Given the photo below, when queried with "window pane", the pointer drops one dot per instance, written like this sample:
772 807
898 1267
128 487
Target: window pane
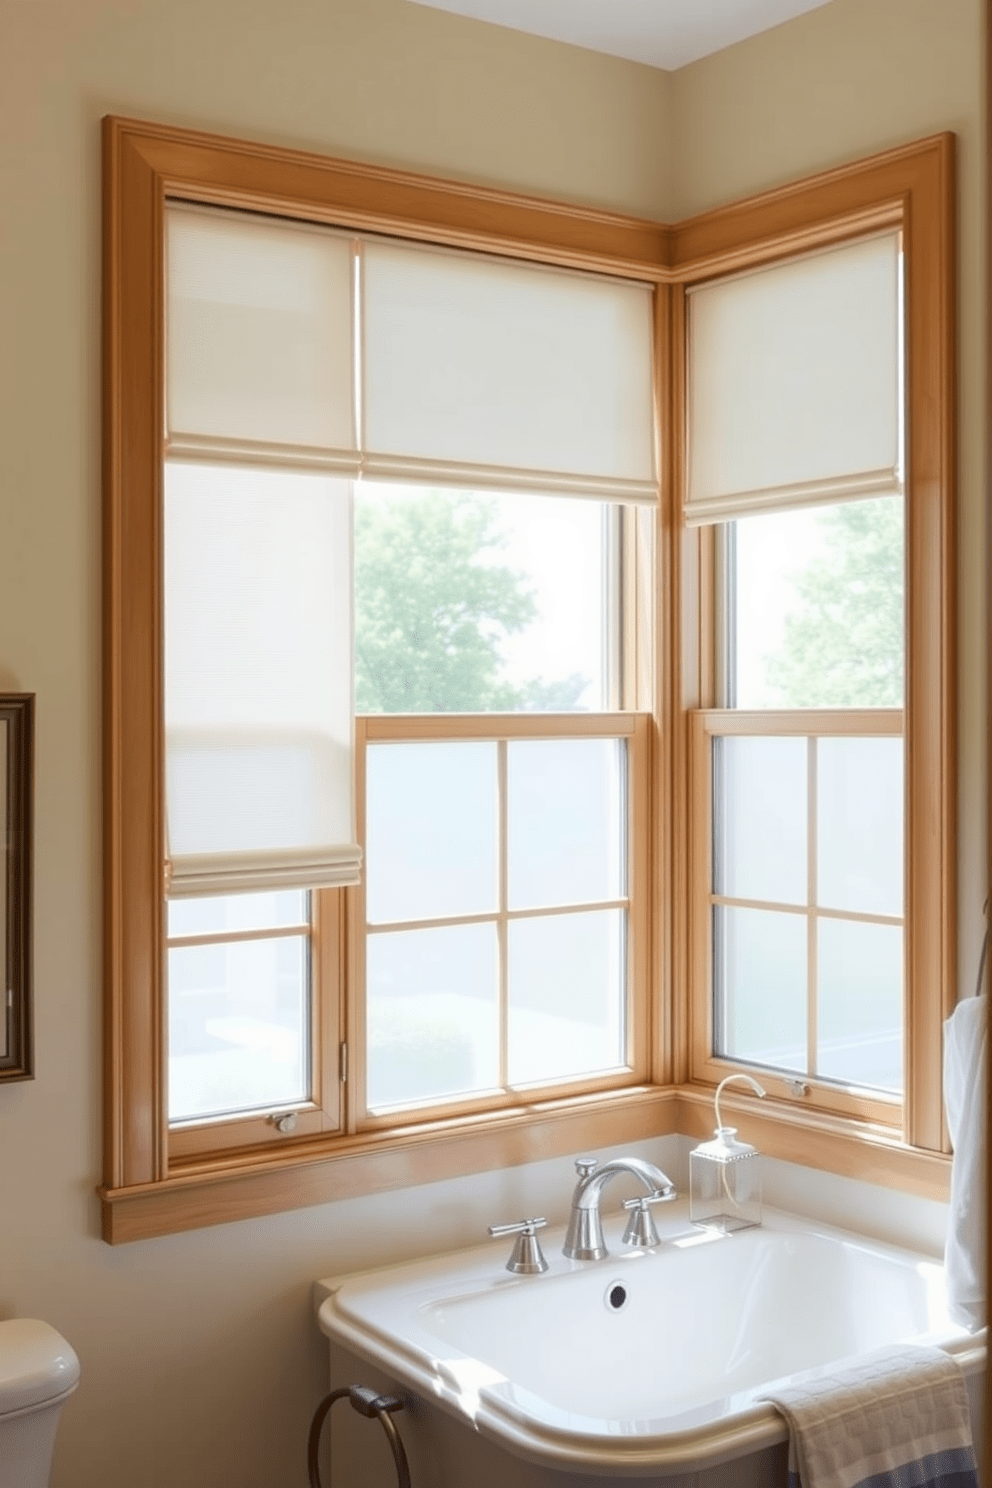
567 1002
225 912
433 1029
759 849
859 824
473 603
430 830
566 813
817 610
238 1021
760 981
859 1003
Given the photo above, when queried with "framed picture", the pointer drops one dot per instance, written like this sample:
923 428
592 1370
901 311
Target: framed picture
16 799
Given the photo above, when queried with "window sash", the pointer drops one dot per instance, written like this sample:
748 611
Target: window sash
708 725
635 729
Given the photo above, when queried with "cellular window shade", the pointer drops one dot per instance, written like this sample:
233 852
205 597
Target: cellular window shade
258 680
259 335
479 371
794 383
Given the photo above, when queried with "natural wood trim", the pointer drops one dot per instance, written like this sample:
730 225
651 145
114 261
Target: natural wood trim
681 684
699 918
243 1188
847 201
219 1193
931 627
204 1138
134 1099
355 1020
821 1098
379 728
196 166
817 723
818 911
852 1149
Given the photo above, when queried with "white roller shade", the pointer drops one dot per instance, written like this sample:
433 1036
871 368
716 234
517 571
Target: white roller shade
481 371
259 332
794 383
258 680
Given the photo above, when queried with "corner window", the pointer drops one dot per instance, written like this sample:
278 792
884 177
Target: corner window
513 723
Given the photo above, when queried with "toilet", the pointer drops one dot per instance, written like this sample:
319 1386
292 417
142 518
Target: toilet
38 1372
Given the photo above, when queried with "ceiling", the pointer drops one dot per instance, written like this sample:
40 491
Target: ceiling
660 33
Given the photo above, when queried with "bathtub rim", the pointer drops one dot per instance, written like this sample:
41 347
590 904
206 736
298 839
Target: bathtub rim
497 1415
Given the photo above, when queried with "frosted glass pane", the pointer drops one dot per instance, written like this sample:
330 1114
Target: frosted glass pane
859 1003
259 330
472 358
818 615
432 1011
794 372
238 1020
760 980
759 849
224 912
257 661
860 824
430 830
567 996
474 603
566 812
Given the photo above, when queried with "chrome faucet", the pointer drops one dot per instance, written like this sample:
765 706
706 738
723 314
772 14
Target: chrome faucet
584 1240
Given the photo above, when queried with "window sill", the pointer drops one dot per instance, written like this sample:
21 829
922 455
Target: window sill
815 1139
247 1185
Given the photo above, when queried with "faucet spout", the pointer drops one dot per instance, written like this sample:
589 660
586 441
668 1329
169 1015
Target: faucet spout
584 1238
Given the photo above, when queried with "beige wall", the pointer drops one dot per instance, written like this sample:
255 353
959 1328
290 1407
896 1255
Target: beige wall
200 1363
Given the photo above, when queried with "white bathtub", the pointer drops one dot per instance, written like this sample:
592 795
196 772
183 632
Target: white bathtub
645 1363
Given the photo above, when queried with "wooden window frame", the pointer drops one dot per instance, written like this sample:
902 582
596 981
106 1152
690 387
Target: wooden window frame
154 1183
911 190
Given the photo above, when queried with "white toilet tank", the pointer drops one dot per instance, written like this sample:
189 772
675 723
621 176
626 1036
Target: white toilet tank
38 1372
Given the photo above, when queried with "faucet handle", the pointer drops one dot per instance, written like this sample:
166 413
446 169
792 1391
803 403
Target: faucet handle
527 1258
641 1230
586 1165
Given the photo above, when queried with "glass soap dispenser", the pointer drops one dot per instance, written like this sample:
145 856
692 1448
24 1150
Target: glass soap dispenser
725 1175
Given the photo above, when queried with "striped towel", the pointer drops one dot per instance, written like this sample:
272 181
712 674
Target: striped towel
893 1418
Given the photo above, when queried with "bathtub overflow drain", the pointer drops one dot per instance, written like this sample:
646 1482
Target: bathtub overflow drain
616 1297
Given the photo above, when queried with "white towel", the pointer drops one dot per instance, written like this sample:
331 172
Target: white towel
965 1094
893 1418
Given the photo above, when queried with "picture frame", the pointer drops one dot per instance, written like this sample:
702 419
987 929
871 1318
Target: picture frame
16 850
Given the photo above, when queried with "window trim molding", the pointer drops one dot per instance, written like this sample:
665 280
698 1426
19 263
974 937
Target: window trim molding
912 188
142 1194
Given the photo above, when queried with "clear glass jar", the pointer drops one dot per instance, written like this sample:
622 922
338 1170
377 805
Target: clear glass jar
725 1183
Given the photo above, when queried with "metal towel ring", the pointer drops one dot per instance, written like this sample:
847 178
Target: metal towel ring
367 1403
